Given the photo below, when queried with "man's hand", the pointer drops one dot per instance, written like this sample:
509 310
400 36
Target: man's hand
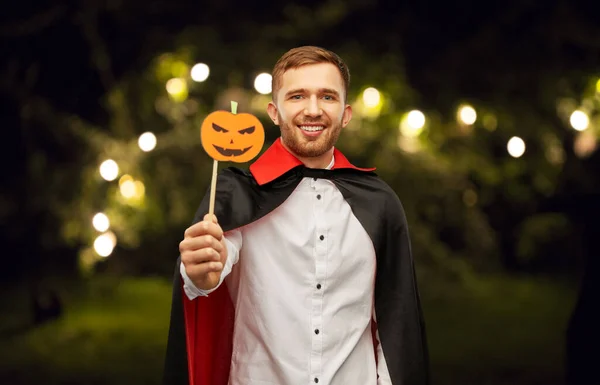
203 253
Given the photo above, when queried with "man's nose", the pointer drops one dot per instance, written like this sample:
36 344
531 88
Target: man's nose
313 108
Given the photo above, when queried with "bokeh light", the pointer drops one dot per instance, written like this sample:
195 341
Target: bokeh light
411 124
585 144
101 222
200 72
416 119
127 189
105 244
516 147
147 141
263 83
109 170
467 114
177 89
579 120
371 97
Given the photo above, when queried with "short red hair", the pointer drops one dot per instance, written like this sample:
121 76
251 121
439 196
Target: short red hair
301 56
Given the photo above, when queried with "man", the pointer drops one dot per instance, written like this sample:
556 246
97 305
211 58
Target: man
305 274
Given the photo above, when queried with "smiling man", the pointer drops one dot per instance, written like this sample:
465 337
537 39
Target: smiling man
305 275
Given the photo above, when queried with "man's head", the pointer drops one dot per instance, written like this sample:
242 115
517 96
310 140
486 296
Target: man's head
310 90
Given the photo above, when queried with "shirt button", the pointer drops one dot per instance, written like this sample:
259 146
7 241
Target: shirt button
319 286
319 196
316 331
321 237
316 380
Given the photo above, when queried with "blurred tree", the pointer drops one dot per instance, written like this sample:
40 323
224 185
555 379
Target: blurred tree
126 70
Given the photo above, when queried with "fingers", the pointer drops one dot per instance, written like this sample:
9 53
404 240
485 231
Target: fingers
203 269
208 218
200 242
201 256
203 228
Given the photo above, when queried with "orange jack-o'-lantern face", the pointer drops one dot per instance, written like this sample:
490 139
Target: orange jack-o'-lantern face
232 137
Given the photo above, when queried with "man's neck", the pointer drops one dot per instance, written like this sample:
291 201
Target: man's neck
322 161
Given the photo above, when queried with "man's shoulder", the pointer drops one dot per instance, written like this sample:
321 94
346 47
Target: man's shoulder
373 183
383 195
235 176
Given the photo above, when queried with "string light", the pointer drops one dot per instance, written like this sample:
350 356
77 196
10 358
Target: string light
263 83
579 120
177 89
200 72
109 170
105 244
101 222
127 189
411 125
371 97
147 141
516 147
467 114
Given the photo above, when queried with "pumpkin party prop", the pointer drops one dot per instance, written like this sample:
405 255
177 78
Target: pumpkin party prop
229 136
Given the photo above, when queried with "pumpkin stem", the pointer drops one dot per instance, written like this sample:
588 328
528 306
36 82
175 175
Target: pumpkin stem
234 107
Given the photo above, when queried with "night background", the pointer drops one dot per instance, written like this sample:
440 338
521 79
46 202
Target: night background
484 117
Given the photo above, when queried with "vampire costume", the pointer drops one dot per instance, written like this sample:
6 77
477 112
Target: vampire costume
200 340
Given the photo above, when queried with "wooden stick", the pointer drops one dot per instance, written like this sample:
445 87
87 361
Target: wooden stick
213 183
213 187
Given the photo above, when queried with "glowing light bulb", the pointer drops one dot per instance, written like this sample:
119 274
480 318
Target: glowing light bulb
579 120
104 245
467 114
371 97
127 189
263 83
412 124
101 222
200 72
109 170
516 147
175 86
147 141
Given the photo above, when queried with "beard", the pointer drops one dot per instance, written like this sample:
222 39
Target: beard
306 147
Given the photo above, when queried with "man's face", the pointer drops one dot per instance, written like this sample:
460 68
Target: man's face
310 109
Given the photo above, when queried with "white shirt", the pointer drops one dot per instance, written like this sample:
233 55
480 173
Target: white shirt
302 283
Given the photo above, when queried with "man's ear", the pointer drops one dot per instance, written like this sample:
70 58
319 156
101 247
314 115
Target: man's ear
272 111
347 116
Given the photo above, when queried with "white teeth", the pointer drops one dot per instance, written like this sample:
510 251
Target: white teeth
312 128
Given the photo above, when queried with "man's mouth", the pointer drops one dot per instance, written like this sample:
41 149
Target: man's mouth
312 128
230 152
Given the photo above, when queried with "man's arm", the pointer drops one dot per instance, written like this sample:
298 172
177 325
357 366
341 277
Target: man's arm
233 242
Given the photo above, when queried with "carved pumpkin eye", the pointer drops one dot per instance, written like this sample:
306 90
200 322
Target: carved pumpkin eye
248 130
219 128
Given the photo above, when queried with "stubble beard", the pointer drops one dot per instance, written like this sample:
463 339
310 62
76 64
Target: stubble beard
305 147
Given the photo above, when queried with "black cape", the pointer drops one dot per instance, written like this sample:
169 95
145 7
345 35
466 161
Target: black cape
240 200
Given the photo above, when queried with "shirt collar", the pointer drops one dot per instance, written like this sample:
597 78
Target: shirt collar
277 160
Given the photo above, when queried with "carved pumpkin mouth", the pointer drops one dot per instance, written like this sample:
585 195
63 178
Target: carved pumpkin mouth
231 151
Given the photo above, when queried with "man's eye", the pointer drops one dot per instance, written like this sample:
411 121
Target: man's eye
248 130
219 128
296 97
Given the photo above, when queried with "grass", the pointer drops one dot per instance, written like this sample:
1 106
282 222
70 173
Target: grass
494 331
498 330
113 335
